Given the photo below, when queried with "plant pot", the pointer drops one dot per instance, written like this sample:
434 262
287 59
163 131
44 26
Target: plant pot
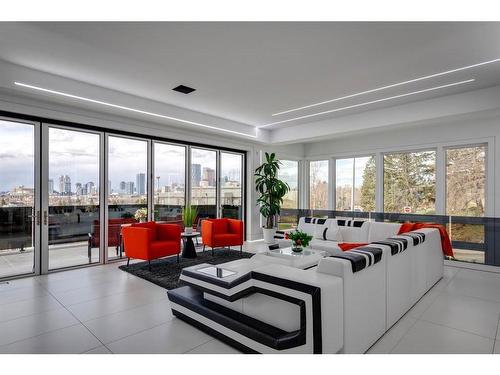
269 235
188 230
297 249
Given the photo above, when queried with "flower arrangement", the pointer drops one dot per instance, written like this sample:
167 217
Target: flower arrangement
300 239
141 214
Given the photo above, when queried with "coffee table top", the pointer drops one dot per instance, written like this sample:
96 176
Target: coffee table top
306 258
192 234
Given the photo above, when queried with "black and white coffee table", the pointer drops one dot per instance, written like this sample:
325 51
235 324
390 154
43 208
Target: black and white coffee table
189 250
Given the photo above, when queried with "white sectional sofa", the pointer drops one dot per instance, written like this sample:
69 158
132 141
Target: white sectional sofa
342 305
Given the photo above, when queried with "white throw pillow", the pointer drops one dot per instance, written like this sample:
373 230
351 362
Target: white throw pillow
334 234
330 233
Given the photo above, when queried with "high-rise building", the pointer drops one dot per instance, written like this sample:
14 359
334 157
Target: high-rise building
90 187
209 176
64 185
122 186
195 174
51 186
140 181
129 188
78 188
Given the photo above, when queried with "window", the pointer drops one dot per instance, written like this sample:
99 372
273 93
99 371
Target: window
204 181
410 182
170 181
318 185
465 181
355 184
289 173
231 175
127 186
465 196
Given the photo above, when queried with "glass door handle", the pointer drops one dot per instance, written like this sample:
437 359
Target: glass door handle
45 217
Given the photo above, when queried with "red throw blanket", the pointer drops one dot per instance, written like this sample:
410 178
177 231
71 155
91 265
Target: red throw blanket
445 239
346 246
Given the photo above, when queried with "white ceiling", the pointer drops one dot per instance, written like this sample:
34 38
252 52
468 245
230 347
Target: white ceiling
245 72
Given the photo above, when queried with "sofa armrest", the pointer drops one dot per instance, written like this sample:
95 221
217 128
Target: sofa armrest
137 242
170 232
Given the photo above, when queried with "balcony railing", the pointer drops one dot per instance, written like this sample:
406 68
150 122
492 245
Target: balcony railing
474 239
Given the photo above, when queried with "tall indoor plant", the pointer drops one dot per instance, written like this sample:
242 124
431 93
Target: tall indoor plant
271 192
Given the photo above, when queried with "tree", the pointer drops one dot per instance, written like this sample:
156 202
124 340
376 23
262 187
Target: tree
367 191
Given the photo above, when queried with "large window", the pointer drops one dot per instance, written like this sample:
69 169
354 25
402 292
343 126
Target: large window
231 186
17 198
410 182
465 196
355 184
318 185
127 186
204 181
170 181
289 173
73 190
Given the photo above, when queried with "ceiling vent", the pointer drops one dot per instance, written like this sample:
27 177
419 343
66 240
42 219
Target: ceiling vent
184 89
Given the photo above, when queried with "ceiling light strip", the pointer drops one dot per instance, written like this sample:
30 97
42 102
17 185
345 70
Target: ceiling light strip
389 86
131 109
370 102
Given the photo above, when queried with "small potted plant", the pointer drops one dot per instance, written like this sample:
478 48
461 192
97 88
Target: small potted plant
188 217
299 239
141 215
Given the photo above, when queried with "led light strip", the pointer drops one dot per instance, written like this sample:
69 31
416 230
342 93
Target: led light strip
388 87
370 102
131 109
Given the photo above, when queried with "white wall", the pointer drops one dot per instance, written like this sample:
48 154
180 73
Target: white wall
482 127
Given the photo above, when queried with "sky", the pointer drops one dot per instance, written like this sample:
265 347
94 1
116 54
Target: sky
76 154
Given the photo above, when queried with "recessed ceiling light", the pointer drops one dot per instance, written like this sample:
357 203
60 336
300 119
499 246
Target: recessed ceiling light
184 89
370 102
131 109
388 86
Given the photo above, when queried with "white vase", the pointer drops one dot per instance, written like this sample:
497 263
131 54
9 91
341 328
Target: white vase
188 230
269 235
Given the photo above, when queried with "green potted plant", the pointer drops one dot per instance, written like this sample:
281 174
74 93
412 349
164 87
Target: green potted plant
299 240
141 215
188 217
271 192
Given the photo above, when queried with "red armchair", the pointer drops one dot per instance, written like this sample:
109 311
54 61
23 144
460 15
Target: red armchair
150 241
221 233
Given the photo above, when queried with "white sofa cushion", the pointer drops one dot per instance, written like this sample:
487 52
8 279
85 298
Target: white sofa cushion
355 234
332 247
379 231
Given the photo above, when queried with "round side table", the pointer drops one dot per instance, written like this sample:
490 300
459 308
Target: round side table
189 251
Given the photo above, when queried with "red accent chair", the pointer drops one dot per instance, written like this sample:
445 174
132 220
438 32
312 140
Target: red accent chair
148 241
114 227
221 233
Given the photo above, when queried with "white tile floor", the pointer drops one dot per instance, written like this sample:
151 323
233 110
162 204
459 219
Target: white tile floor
104 310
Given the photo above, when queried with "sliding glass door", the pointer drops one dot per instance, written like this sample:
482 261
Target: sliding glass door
169 181
204 181
127 188
19 203
231 185
73 187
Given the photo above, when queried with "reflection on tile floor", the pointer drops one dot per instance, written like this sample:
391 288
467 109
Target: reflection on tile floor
104 310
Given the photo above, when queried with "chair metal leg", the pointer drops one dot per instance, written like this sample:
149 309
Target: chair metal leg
204 248
128 261
177 258
241 249
212 251
149 265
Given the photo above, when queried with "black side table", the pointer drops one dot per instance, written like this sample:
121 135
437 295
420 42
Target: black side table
189 251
